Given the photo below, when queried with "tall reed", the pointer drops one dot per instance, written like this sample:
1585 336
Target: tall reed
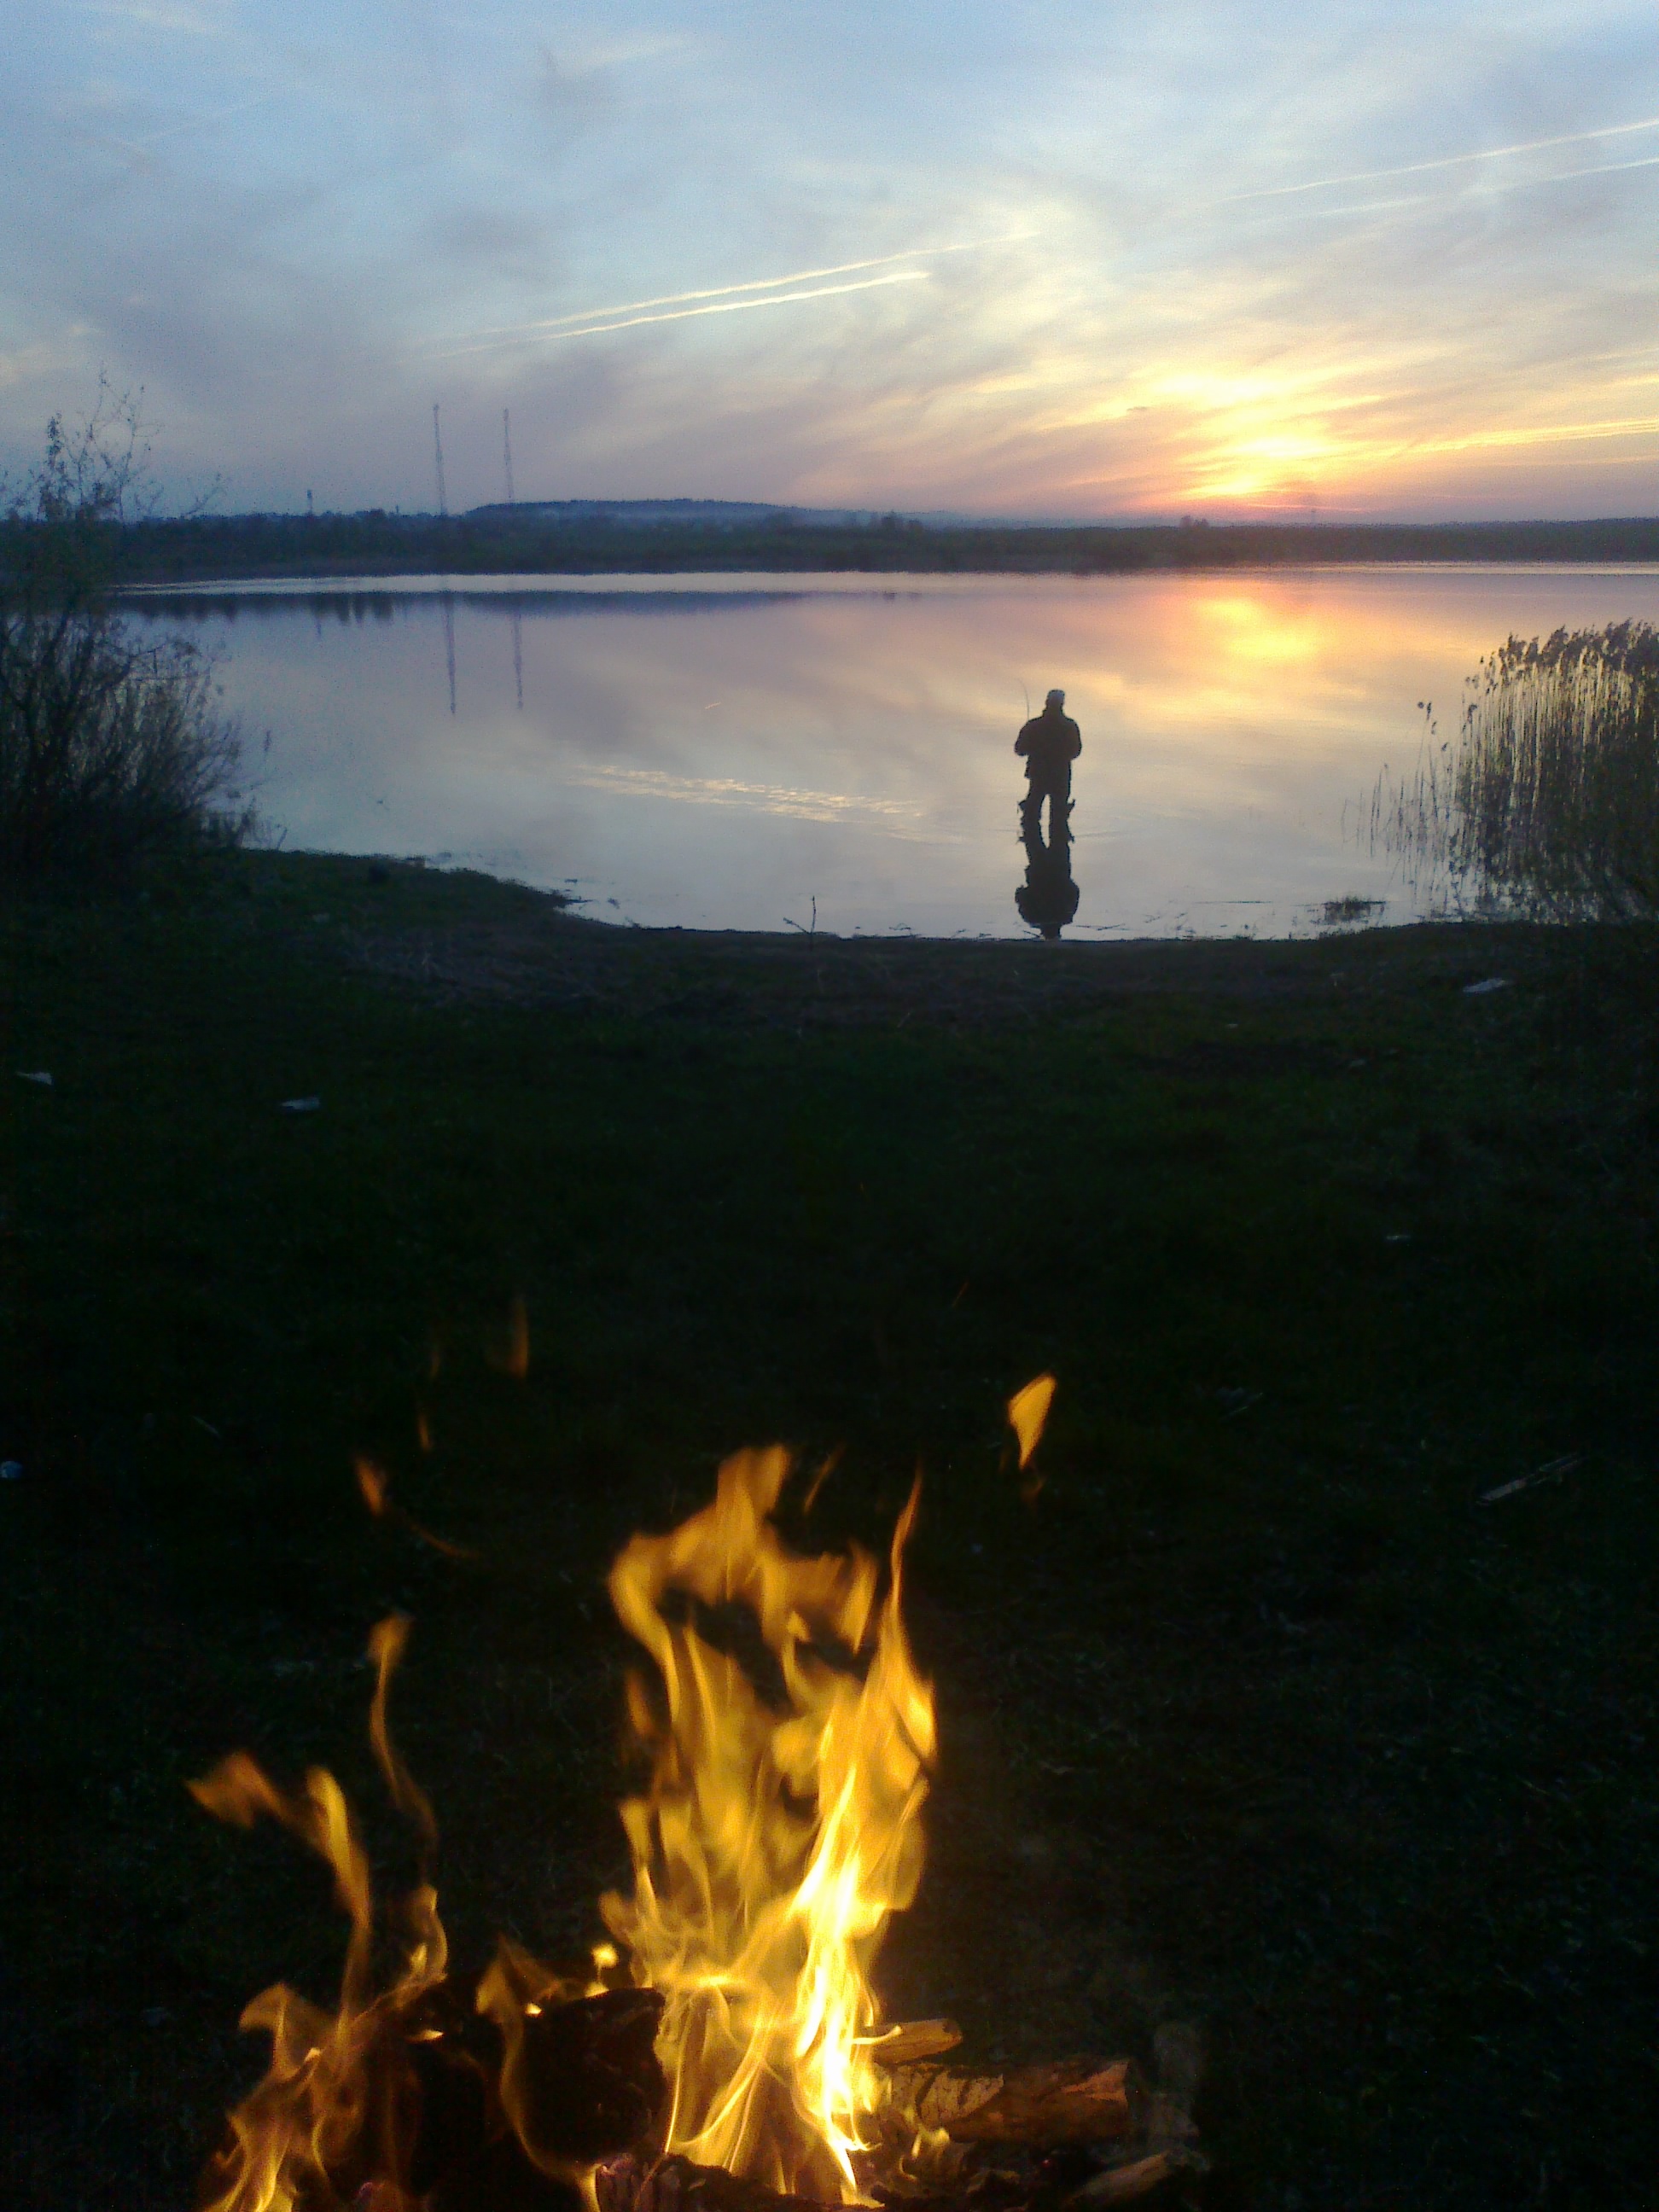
1550 802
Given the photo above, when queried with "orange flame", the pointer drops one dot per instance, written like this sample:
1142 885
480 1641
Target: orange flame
372 1483
334 2095
515 1359
1027 1416
790 1744
375 1487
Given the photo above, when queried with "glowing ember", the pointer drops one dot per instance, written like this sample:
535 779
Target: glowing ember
780 1832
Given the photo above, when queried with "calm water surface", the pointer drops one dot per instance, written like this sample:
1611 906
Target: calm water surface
721 751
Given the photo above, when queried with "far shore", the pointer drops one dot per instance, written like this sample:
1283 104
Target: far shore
524 542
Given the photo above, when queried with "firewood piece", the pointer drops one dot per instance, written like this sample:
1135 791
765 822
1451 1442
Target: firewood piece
1070 2100
501 2179
582 2082
1121 2185
911 2040
451 2114
674 2184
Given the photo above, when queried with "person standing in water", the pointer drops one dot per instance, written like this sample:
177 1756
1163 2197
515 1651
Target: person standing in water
1050 742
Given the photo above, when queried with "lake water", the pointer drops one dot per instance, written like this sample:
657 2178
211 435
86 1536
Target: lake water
723 751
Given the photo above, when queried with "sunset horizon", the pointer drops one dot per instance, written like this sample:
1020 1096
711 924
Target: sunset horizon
1390 268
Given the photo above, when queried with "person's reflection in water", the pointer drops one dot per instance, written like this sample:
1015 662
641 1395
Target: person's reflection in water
1049 742
1047 897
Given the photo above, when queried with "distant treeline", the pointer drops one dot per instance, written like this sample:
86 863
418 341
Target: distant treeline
501 541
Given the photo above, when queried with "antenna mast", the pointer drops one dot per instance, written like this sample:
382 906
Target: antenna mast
507 452
438 448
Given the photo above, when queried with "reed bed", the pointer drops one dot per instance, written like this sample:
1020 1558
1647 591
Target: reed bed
1549 803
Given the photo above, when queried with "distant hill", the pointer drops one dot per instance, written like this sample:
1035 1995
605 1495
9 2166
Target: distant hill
636 513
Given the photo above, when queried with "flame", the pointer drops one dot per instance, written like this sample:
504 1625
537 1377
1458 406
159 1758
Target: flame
372 1483
790 1738
332 2111
1027 1416
514 1360
375 1487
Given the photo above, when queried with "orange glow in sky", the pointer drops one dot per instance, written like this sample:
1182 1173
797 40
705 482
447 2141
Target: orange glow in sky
1057 260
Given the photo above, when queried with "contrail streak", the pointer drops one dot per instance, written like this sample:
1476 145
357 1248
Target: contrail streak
139 148
1557 433
1447 199
686 314
1603 169
712 292
203 122
561 323
1445 161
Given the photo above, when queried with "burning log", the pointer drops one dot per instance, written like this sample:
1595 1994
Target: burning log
1049 2184
445 2102
581 2082
914 2039
560 2086
1071 2100
674 2184
499 2178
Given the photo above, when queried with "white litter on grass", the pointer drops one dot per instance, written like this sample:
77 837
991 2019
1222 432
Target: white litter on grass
1398 1236
1237 1401
11 1470
35 1075
1488 984
302 1105
1551 1471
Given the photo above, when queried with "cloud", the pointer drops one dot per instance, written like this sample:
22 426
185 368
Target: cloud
586 61
1215 257
572 82
755 797
199 19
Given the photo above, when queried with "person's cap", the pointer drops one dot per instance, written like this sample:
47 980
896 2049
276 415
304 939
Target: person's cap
1056 698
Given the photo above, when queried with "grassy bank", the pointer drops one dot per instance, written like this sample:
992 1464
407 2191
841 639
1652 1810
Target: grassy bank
1259 1717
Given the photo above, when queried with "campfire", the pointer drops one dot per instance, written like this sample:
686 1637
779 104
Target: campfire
725 2051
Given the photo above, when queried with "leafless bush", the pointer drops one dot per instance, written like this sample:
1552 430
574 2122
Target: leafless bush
112 751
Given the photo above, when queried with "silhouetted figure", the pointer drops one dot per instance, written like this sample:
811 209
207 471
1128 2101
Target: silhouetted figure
1050 742
1047 897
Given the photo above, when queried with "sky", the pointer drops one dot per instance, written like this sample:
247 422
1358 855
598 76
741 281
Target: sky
1380 258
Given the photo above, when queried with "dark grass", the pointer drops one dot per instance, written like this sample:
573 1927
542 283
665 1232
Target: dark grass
1259 1717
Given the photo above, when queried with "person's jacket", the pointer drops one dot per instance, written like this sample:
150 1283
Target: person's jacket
1049 742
